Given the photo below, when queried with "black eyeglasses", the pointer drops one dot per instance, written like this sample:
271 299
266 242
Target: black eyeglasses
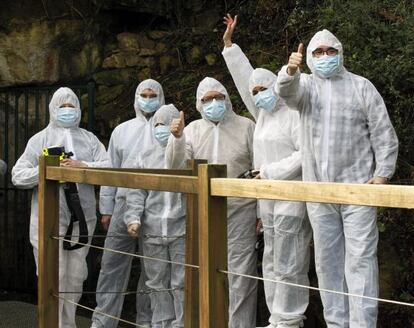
211 98
320 52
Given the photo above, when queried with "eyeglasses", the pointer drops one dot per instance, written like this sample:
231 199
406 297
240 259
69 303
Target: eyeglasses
146 95
257 90
211 98
320 52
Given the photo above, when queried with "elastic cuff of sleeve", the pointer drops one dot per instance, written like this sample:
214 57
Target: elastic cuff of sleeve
383 173
263 172
229 50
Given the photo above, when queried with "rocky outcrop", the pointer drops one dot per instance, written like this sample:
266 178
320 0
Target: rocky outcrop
46 53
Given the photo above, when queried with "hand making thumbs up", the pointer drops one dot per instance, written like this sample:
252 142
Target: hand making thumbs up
177 126
295 60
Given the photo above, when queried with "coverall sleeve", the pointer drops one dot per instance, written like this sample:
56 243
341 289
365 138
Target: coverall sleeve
240 70
135 202
292 89
25 173
289 167
179 150
384 140
107 194
100 156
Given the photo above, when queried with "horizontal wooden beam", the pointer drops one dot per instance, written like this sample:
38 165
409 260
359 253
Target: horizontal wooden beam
319 192
184 172
162 182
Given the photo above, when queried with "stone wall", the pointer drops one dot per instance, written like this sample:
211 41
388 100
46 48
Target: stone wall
114 43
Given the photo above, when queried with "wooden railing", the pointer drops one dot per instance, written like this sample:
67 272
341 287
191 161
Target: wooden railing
206 186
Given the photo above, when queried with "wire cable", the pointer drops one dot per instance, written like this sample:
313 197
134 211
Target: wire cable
318 289
125 253
99 312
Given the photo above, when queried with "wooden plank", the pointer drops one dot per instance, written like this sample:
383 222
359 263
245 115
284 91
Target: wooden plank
48 258
184 172
161 182
319 192
191 303
212 250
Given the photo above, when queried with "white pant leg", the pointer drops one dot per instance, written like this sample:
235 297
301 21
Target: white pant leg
159 275
73 271
177 254
114 274
76 272
361 265
291 262
268 260
143 301
328 234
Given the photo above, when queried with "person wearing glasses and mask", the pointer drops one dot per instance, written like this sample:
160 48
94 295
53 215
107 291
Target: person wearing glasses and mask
346 136
129 141
223 137
87 151
277 156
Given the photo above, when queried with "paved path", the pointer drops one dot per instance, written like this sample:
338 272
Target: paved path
24 315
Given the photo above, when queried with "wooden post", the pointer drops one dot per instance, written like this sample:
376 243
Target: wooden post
191 312
212 250
48 256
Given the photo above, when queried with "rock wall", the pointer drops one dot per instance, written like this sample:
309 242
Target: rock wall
116 44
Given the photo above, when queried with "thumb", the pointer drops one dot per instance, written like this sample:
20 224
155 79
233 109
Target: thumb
300 48
182 116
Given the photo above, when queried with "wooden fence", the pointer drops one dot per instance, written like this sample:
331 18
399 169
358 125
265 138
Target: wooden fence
206 186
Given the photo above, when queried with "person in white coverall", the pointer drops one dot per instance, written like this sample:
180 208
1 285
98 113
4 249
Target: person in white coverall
222 137
287 231
129 141
63 130
159 218
346 136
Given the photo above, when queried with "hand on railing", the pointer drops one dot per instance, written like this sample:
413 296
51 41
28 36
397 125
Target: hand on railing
72 162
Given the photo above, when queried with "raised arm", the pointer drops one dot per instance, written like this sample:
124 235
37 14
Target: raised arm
238 65
291 84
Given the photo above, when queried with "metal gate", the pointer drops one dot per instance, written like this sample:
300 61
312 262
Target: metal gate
23 112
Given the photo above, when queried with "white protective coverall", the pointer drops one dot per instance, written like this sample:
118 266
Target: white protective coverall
287 232
85 147
346 136
229 142
128 141
162 219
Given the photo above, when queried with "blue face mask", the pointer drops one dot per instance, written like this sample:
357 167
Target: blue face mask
215 110
326 66
148 105
68 116
266 100
162 133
